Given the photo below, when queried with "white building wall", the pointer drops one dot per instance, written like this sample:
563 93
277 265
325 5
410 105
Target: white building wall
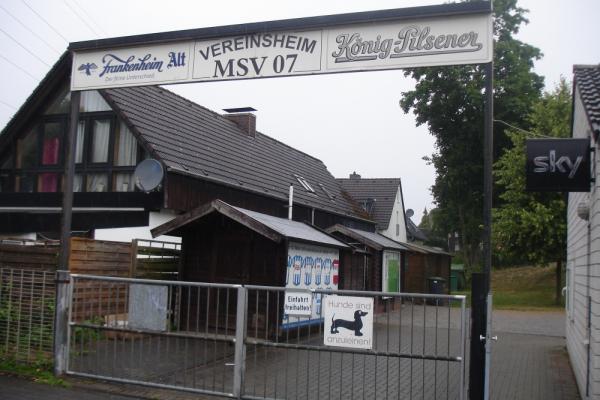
141 232
397 218
583 276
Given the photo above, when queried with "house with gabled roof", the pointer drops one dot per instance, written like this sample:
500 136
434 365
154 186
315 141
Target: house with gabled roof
205 156
381 199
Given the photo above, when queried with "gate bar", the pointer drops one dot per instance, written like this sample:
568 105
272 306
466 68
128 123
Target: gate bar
151 384
240 347
332 349
154 281
364 293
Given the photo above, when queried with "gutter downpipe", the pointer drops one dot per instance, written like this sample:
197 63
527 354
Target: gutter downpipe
290 202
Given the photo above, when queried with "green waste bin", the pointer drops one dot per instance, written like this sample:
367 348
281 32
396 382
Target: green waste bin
453 282
457 270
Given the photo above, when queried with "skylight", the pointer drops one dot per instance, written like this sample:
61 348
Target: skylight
327 192
305 184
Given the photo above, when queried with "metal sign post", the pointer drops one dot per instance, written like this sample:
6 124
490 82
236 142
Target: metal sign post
62 273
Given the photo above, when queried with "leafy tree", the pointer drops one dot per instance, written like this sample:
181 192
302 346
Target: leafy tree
450 100
533 225
432 225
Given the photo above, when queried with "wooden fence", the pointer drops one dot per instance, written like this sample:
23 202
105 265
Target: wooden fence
29 255
152 259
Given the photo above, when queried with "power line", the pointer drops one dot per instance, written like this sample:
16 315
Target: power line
30 30
46 22
91 18
8 105
19 68
24 48
523 130
81 18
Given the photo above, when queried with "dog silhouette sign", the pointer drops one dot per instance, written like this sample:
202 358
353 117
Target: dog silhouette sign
348 321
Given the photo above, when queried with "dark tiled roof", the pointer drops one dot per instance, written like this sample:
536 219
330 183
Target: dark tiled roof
382 190
413 231
587 80
193 140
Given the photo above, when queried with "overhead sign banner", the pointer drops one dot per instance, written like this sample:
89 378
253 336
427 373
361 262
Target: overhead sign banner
348 321
558 165
360 47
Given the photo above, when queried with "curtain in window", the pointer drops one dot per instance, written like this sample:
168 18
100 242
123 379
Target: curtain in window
97 183
50 151
124 182
92 101
51 144
80 140
127 150
77 183
101 135
48 182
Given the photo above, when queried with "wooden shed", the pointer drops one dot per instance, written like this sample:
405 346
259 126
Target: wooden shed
226 244
424 262
379 267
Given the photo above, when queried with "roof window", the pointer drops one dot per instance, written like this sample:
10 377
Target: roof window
368 205
327 192
305 184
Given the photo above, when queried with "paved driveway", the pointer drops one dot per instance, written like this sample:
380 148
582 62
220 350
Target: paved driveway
529 360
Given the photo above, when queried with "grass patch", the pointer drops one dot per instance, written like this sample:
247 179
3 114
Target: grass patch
38 371
522 288
525 288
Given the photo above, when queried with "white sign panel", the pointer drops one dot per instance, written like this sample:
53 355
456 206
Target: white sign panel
309 267
298 303
381 45
260 55
152 65
348 321
148 307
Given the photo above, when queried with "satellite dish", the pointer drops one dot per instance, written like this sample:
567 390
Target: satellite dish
410 213
148 175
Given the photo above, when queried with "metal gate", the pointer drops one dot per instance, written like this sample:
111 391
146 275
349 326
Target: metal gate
235 341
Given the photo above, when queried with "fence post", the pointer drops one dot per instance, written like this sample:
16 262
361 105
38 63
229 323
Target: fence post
478 328
61 322
240 345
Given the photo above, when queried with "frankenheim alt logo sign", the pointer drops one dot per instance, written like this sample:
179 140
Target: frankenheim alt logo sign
559 165
381 45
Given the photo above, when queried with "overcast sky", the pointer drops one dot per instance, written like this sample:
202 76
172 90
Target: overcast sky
350 121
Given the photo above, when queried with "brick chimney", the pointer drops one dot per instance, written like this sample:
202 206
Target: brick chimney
244 119
354 175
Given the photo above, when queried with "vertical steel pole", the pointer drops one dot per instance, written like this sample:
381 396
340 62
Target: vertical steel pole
67 206
61 322
488 144
240 345
463 339
488 151
62 273
488 349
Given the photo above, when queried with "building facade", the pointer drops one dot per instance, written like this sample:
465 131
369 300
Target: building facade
583 244
204 155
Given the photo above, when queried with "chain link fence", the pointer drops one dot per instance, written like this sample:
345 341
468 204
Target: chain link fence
27 300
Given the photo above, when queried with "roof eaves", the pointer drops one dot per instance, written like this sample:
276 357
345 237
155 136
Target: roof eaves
324 232
354 235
